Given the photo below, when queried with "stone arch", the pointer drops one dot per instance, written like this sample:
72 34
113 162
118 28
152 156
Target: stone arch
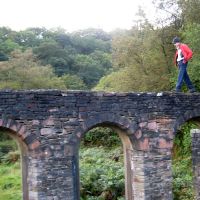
125 129
129 127
26 143
186 116
21 132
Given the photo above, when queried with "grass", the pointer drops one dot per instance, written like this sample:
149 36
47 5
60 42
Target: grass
10 182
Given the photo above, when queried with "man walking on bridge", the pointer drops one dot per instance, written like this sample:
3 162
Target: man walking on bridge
182 56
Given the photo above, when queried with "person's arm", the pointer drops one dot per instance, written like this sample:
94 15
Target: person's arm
175 58
187 52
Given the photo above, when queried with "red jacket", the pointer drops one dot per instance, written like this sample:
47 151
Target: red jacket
186 51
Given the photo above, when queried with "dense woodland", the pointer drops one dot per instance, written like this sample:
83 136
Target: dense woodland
139 59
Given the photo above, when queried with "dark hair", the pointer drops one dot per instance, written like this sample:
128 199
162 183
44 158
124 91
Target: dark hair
175 40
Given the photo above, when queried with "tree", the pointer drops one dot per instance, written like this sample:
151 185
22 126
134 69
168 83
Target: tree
7 42
95 33
23 72
8 46
168 13
190 11
191 37
119 81
65 52
51 53
31 37
103 59
140 53
88 69
63 40
73 82
88 41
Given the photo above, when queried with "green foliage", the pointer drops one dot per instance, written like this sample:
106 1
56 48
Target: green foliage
3 57
182 142
7 41
88 69
139 62
190 11
10 170
8 46
23 72
52 53
191 37
83 54
89 40
73 82
101 137
183 179
121 80
11 157
4 136
101 165
30 37
182 164
86 54
101 175
9 152
7 146
10 182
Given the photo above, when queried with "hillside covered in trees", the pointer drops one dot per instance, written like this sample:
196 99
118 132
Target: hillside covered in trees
72 61
139 59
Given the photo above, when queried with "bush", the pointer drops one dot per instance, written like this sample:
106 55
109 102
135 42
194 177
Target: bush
101 174
101 137
182 164
6 147
183 180
11 157
183 141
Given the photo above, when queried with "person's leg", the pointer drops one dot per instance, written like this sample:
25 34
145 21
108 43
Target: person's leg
181 73
187 80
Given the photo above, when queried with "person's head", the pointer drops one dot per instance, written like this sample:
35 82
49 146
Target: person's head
176 41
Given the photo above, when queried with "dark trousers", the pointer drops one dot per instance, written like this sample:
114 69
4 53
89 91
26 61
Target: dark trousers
183 76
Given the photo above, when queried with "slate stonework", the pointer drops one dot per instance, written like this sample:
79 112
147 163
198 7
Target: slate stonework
49 125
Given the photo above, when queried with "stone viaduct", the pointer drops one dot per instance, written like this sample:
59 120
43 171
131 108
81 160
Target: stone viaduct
49 124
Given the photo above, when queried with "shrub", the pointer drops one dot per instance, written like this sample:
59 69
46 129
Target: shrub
101 137
183 180
102 176
182 164
11 157
6 147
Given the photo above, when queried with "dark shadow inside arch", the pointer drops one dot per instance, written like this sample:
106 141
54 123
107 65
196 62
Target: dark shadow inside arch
22 148
115 133
195 120
185 164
